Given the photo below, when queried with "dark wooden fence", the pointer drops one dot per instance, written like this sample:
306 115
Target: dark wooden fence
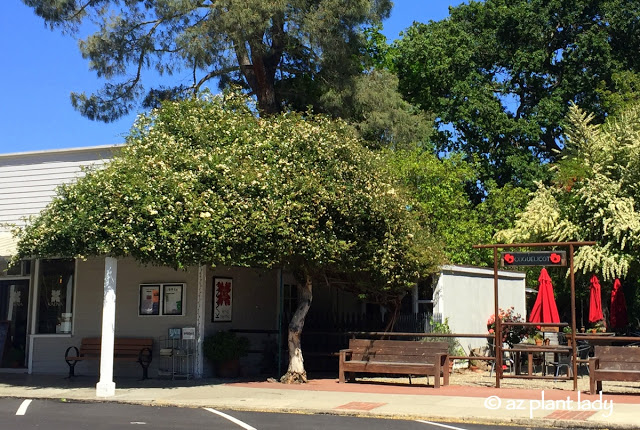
326 334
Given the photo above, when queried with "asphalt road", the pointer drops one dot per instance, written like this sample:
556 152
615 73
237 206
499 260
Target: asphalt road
24 414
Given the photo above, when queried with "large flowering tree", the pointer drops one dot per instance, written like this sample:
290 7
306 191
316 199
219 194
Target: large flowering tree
595 196
206 181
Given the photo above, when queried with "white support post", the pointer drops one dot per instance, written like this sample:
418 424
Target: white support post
200 312
106 387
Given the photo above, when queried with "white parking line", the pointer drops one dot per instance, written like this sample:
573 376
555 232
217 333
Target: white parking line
23 407
230 418
440 425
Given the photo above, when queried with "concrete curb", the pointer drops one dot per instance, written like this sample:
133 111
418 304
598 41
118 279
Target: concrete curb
514 421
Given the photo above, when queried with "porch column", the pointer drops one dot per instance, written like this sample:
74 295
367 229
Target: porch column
106 387
200 313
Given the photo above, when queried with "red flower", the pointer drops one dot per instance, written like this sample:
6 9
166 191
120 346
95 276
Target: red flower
555 258
509 259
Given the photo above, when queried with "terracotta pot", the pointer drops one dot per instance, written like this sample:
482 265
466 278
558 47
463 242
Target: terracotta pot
228 369
538 342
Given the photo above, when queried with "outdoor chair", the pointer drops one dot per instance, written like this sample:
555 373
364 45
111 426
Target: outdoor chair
634 334
565 361
507 360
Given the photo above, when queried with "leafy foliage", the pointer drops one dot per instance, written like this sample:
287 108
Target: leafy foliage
595 197
454 347
510 334
206 181
282 51
224 346
438 189
499 76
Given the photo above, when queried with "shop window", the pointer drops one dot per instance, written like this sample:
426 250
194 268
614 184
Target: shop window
20 268
55 296
424 296
289 298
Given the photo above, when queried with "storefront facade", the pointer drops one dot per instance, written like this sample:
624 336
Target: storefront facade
150 301
48 305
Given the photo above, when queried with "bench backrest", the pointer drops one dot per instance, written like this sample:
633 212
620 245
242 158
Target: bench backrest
618 357
403 351
121 346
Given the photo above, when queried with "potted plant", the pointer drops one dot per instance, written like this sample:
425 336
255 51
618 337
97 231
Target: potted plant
568 334
224 350
538 338
513 334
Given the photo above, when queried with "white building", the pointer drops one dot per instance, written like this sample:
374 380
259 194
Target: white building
465 296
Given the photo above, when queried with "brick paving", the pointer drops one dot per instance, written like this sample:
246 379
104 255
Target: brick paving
360 406
466 384
570 415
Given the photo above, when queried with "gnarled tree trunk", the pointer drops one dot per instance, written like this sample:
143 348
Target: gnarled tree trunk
295 372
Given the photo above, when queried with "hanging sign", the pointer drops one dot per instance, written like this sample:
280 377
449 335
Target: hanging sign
534 258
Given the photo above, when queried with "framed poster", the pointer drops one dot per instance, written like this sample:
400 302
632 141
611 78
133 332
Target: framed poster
222 299
149 299
175 333
172 299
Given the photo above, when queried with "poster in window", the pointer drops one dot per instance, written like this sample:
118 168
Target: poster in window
222 299
149 300
172 299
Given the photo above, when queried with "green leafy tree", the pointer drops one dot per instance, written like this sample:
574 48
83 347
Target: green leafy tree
595 196
499 75
378 112
284 52
205 181
438 189
372 103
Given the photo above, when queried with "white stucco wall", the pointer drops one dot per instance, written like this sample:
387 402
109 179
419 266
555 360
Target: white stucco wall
465 295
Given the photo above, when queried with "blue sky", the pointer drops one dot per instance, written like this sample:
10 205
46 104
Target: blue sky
42 67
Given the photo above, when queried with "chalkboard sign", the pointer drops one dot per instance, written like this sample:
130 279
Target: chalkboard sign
4 337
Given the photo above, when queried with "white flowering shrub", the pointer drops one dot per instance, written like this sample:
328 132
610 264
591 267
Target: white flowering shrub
596 196
206 181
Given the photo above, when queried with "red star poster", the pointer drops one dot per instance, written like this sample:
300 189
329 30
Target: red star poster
222 299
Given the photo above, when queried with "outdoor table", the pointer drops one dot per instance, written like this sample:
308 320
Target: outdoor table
530 349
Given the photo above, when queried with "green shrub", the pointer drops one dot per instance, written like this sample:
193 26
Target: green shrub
443 327
224 346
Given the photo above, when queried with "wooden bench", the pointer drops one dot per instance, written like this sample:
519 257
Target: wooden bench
395 357
124 349
613 363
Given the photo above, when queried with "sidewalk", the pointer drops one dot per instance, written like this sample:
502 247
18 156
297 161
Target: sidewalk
453 403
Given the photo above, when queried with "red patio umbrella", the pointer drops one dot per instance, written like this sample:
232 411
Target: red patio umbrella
544 309
595 300
618 312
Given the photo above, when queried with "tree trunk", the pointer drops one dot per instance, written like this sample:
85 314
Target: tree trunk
295 372
396 304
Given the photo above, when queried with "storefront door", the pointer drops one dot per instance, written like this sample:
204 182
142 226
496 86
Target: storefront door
14 300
